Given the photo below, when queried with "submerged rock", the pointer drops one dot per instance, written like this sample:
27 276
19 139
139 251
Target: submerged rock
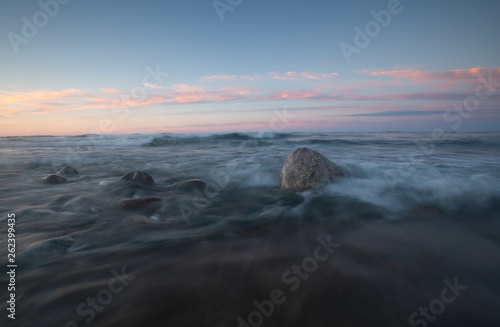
54 179
143 220
190 184
138 220
305 168
134 204
84 204
55 246
139 177
68 171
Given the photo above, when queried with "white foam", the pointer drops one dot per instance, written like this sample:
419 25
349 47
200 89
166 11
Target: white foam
426 185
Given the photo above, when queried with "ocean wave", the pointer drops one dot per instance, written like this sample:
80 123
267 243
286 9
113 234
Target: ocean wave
87 140
258 139
408 140
451 139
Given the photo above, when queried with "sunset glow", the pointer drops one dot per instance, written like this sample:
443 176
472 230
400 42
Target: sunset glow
66 80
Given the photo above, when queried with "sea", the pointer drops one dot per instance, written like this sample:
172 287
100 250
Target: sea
411 237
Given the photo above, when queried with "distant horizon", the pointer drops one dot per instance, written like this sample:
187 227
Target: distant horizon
256 132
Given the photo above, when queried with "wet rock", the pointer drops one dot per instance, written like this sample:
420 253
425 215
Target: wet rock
305 169
190 184
68 171
54 179
134 204
139 177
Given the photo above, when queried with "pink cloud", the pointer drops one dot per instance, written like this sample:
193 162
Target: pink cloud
192 94
35 96
248 77
422 76
346 91
426 95
237 91
291 95
295 76
219 77
110 91
290 76
154 86
319 76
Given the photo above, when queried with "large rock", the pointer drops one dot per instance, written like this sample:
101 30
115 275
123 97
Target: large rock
68 171
139 177
305 169
191 184
134 204
54 179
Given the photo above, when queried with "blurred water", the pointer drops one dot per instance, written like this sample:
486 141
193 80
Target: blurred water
412 214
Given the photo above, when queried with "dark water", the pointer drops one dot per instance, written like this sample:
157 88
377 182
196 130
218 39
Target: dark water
416 225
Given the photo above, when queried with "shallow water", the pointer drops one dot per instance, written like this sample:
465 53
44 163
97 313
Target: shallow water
412 214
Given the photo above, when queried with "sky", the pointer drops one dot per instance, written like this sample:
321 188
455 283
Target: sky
203 66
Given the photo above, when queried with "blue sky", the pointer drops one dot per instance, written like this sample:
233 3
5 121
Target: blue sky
232 74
